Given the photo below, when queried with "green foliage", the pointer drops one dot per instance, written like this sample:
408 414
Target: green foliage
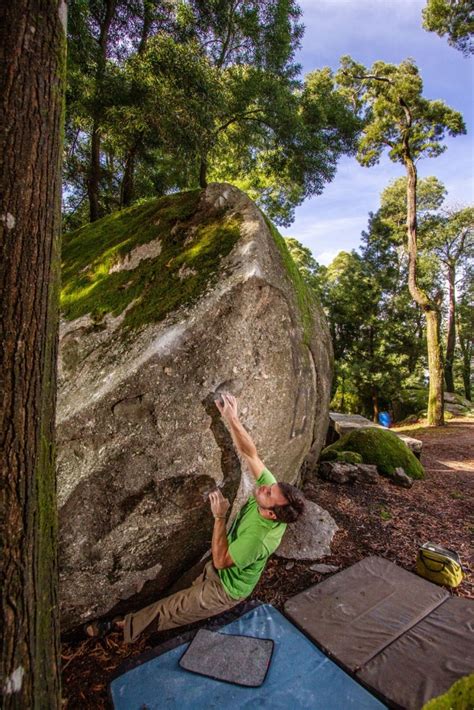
186 266
460 696
413 399
382 448
282 143
305 297
454 18
312 272
465 329
376 329
396 115
183 93
341 456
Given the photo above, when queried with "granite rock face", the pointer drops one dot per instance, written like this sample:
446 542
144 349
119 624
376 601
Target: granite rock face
140 441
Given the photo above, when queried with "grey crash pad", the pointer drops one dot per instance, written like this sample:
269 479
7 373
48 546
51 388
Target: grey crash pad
243 660
427 659
356 613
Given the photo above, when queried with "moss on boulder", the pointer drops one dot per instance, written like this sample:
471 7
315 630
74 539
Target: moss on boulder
460 696
303 295
330 454
150 259
379 447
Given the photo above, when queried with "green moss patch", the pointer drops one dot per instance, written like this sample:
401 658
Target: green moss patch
379 447
460 696
330 454
304 297
186 266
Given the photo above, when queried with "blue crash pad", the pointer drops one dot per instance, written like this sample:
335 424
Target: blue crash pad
300 676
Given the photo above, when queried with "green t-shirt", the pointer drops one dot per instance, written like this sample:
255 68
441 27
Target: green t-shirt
252 539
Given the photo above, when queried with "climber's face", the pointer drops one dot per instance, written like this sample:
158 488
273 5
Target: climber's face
269 496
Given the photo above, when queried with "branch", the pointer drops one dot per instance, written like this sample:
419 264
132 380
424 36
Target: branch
248 116
401 100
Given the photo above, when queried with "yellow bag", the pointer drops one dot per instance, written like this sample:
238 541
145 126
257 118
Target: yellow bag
439 565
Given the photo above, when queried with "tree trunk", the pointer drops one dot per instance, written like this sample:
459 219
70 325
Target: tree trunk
93 181
203 172
466 348
33 55
375 405
128 178
435 367
451 336
430 309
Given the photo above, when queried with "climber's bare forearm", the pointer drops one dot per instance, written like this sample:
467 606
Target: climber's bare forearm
220 548
245 446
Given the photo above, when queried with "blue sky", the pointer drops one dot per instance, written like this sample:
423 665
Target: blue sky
389 30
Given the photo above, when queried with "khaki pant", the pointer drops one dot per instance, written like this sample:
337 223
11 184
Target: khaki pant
204 598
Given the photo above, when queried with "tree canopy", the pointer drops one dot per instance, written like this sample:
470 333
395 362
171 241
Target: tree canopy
454 18
165 96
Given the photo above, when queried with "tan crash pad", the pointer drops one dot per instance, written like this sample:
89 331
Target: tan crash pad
356 613
428 659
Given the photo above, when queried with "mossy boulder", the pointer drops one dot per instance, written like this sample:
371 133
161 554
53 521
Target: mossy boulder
379 447
330 454
460 696
164 305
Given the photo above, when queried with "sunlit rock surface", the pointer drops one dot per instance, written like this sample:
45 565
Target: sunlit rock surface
148 335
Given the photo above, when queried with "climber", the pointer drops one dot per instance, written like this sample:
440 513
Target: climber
238 557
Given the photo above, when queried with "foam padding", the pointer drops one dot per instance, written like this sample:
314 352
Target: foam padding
299 676
428 659
209 654
356 613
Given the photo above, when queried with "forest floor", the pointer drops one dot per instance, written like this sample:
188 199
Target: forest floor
380 519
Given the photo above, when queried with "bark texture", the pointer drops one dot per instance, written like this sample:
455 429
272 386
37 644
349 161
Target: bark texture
451 334
33 55
430 309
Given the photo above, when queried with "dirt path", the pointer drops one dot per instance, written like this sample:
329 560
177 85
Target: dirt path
380 519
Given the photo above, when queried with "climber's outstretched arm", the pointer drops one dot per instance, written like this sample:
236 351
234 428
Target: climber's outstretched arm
243 442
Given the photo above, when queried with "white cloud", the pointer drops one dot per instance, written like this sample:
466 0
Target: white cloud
326 257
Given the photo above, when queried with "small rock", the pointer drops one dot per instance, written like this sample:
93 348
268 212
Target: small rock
309 538
290 565
401 478
324 569
168 371
367 473
338 472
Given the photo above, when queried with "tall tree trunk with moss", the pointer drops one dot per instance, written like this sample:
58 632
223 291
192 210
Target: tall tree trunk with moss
451 335
430 309
33 56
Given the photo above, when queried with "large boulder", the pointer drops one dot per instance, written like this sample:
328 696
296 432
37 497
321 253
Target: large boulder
380 448
164 305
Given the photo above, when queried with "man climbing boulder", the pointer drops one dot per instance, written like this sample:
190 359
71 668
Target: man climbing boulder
238 557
